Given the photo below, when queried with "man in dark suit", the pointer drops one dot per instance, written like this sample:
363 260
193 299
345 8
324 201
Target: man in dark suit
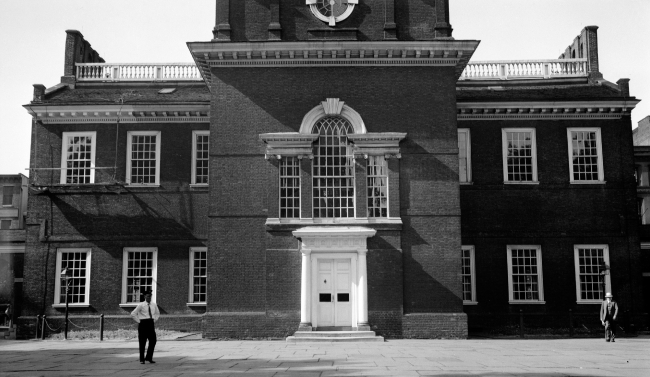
146 313
608 314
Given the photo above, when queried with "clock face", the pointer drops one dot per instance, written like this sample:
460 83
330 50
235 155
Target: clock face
329 8
332 11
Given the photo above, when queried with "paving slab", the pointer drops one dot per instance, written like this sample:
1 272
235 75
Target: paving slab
480 357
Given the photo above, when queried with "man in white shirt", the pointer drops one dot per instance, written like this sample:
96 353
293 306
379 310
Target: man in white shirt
146 313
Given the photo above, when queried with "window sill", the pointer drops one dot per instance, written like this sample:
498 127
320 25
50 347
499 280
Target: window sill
130 305
196 304
520 183
62 306
144 186
470 303
587 182
466 183
390 223
527 302
589 302
199 185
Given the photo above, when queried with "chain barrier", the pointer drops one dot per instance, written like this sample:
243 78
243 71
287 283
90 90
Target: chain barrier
79 327
48 326
118 326
187 323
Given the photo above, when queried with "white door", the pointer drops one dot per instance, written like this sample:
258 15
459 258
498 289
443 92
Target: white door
333 293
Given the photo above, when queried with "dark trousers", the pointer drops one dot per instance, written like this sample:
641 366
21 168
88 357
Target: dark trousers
146 331
610 328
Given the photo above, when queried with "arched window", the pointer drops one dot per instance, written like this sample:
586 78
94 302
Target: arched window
333 169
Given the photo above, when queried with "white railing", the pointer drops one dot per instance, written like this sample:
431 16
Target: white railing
524 69
138 72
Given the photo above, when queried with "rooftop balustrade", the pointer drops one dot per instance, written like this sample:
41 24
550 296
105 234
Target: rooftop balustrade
481 70
138 72
525 69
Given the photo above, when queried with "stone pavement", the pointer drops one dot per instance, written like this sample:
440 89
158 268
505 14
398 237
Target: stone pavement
481 357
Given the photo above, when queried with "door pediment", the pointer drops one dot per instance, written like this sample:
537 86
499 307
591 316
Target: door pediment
334 239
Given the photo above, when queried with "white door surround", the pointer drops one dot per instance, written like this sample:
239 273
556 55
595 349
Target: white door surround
334 243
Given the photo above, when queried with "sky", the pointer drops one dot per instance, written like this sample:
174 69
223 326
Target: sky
32 42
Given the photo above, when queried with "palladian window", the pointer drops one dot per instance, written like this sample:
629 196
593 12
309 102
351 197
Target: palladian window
332 170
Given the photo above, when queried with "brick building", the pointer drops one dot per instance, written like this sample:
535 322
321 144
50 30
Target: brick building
331 166
642 162
12 249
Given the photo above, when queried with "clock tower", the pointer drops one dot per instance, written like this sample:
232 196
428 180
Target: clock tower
334 194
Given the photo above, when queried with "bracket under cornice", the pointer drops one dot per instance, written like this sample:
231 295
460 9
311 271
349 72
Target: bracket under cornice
544 110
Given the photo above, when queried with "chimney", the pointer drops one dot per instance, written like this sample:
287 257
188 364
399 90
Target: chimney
221 31
39 93
624 87
590 34
77 50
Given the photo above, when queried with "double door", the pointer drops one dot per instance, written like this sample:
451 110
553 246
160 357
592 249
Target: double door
334 292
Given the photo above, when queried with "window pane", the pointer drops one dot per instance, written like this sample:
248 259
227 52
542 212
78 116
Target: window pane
333 169
585 155
519 160
199 276
78 156
525 275
140 277
377 174
201 159
143 159
75 264
463 157
289 187
591 262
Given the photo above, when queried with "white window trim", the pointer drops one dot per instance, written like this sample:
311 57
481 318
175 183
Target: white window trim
154 273
194 135
576 264
469 155
540 275
473 274
57 281
504 148
599 146
190 296
64 148
129 135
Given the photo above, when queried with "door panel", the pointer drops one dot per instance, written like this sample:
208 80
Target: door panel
343 308
325 293
334 293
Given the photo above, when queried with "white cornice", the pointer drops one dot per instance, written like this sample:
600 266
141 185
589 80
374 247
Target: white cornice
544 110
377 144
71 114
294 144
332 53
288 144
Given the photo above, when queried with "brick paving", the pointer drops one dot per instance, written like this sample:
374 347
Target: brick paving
480 357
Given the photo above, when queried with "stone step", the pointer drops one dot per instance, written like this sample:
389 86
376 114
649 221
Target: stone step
334 336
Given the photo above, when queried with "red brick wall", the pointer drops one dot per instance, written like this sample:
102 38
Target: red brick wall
554 214
412 270
172 218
